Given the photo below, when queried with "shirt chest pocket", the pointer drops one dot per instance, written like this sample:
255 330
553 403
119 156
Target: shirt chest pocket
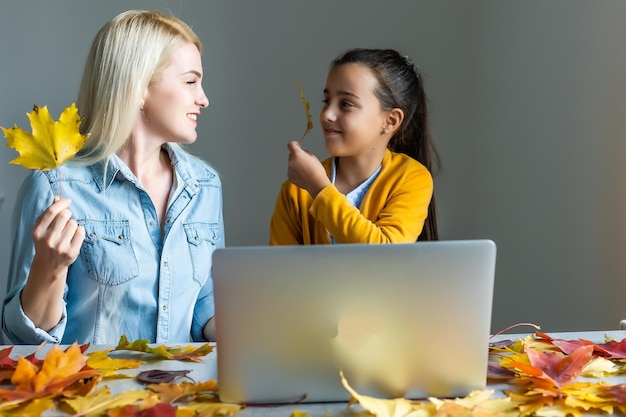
202 239
108 252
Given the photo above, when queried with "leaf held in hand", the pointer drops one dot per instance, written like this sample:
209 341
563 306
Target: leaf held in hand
307 108
51 143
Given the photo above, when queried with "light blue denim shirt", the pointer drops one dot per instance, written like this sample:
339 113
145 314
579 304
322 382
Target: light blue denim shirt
129 279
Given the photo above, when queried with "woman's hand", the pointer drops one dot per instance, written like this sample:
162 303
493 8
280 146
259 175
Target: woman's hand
58 239
305 170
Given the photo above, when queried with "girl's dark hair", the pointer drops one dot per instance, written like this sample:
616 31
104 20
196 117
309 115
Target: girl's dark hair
400 85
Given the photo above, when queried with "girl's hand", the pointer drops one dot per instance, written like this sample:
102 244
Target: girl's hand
57 237
305 170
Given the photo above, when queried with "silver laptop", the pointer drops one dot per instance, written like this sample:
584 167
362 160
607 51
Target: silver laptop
401 320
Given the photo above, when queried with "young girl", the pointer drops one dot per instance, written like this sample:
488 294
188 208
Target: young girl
376 187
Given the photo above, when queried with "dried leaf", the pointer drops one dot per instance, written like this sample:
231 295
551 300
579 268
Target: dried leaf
398 407
307 108
561 369
59 370
612 349
108 366
478 403
298 413
157 410
177 392
156 376
207 409
600 367
102 400
185 353
34 408
51 143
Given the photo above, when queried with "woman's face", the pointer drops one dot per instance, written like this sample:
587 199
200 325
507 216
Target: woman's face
173 100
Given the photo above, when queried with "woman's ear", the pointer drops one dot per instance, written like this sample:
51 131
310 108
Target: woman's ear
393 120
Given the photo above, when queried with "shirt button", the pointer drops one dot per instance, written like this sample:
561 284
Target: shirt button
151 223
164 308
165 264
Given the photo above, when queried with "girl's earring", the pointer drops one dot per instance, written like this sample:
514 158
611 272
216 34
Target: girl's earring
384 130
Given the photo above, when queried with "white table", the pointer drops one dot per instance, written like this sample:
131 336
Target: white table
207 369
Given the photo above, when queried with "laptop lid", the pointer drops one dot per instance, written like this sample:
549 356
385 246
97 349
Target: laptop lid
401 320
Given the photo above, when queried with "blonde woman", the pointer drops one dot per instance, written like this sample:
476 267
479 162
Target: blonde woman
127 248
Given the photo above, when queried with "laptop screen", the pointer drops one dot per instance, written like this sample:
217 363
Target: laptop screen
290 318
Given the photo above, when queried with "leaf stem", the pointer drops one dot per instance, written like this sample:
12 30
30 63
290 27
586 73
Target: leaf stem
60 183
514 326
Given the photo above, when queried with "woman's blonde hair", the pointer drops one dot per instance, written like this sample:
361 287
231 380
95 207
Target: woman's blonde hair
127 53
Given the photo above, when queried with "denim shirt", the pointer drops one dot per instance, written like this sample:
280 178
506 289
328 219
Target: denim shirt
129 279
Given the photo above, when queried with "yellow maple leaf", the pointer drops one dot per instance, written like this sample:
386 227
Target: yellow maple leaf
33 408
177 392
588 396
183 353
480 401
309 122
51 143
398 407
108 366
99 401
207 409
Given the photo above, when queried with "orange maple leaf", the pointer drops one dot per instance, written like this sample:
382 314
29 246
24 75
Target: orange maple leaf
59 370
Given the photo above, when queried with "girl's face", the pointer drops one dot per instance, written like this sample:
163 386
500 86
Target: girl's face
173 100
352 118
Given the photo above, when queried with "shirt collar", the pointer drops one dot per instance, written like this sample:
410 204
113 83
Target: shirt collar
113 165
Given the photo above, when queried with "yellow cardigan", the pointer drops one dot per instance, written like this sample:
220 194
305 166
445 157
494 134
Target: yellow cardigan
393 209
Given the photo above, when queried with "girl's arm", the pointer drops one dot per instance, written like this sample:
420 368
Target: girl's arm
393 210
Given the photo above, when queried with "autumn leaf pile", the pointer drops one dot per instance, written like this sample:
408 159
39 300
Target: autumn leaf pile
68 380
542 376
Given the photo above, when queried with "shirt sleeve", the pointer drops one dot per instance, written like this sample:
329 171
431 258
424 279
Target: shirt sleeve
204 308
20 330
34 196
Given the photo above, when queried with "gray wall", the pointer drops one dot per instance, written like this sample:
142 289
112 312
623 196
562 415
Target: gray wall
527 105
